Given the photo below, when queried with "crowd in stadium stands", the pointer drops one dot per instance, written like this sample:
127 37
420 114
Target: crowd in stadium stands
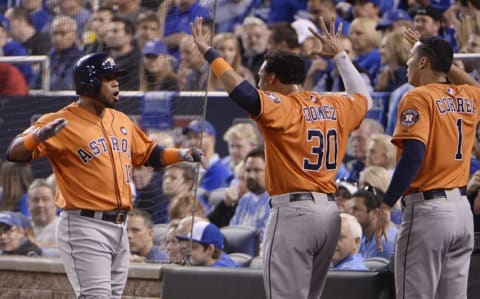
151 39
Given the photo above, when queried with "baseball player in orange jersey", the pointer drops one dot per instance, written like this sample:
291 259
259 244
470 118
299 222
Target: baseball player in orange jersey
434 134
92 149
306 135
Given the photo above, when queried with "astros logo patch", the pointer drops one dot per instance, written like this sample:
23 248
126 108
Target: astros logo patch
273 97
123 130
409 117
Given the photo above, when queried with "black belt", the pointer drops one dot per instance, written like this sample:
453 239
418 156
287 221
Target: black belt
439 193
299 196
116 217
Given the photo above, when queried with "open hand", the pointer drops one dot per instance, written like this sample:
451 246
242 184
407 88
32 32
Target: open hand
412 36
331 40
51 129
199 36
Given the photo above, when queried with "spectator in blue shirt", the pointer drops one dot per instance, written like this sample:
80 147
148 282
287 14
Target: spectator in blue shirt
253 208
346 256
64 53
327 10
40 16
365 207
365 41
10 47
177 17
207 244
202 134
140 237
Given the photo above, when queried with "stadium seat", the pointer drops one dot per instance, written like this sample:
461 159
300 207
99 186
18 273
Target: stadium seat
256 263
376 263
159 232
240 238
242 259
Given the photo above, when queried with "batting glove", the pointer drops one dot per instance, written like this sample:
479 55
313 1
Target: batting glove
51 129
193 155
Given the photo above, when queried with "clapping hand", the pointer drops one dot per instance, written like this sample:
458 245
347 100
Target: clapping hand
330 39
193 155
412 36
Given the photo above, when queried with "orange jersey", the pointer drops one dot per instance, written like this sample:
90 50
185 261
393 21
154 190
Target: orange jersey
444 118
306 137
93 158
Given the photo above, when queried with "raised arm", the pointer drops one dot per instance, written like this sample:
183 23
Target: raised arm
242 92
332 48
22 147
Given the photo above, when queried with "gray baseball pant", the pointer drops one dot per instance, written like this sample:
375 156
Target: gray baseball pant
434 245
95 254
300 238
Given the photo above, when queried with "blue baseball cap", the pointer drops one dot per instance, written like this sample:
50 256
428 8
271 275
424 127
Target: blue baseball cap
154 47
9 218
391 16
205 233
199 126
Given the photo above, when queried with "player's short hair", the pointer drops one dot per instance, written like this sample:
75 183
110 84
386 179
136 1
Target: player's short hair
438 51
288 68
147 218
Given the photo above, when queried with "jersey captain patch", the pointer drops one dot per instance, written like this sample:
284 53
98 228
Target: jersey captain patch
273 97
409 117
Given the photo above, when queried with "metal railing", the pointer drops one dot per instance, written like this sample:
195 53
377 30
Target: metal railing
43 59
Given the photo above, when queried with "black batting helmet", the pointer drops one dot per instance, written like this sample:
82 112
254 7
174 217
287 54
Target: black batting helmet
89 70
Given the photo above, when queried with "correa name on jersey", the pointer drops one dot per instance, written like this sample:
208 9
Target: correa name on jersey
99 146
319 113
458 105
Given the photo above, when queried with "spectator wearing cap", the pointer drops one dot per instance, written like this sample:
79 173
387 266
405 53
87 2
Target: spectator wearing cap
11 47
207 246
365 208
202 134
13 239
395 20
343 196
327 10
427 20
156 71
346 256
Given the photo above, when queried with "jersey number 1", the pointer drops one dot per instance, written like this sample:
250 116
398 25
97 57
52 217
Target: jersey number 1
326 143
459 155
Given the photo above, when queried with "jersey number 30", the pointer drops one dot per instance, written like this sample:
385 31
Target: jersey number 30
325 148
